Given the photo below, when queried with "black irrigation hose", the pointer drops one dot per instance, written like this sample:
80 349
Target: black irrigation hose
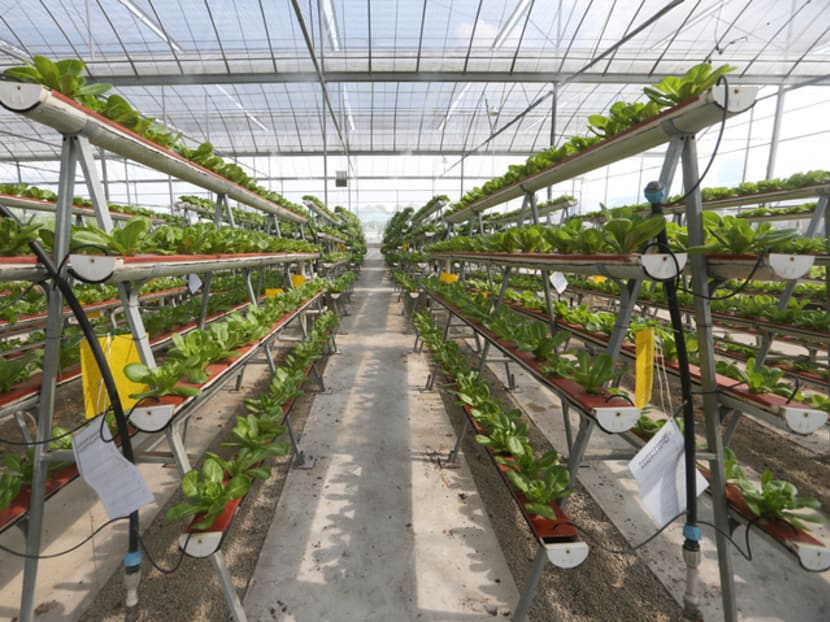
717 144
632 549
65 551
89 332
153 562
46 441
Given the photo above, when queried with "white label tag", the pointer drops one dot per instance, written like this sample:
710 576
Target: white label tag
660 470
118 483
559 282
194 283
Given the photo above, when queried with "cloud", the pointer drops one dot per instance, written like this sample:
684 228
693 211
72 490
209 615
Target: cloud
485 31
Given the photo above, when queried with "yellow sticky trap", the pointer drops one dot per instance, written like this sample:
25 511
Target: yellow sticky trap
645 367
446 277
597 279
93 315
405 247
297 279
119 350
273 292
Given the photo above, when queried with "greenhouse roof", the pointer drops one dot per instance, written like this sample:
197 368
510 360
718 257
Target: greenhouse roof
422 76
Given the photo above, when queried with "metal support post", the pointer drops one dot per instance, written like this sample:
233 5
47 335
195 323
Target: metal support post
129 293
628 296
203 310
711 408
301 461
231 597
51 369
530 587
577 452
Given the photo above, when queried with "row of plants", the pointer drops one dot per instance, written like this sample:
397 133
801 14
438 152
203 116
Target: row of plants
192 353
333 231
759 379
790 210
406 282
15 369
254 437
342 283
760 303
206 206
248 434
396 229
408 257
227 292
592 373
623 235
22 300
774 498
542 480
66 77
33 192
429 207
19 468
770 499
310 198
558 203
139 236
622 116
794 182
335 257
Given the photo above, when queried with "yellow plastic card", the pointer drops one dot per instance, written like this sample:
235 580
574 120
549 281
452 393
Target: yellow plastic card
297 279
446 277
118 350
645 367
597 278
273 292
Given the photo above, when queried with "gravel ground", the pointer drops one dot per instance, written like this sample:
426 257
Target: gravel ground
193 592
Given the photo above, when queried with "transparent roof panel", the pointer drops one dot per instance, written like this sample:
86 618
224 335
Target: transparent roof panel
425 76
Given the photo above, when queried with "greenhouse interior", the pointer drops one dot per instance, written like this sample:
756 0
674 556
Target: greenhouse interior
438 310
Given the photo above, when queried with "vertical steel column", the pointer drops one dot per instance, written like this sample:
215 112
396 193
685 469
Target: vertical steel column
104 178
766 341
776 132
51 369
96 189
553 109
629 291
706 352
535 574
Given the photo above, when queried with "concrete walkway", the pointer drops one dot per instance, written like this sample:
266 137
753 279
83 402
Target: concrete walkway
376 531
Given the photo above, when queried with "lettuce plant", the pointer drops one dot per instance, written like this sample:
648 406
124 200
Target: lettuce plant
673 90
15 237
208 493
63 76
593 372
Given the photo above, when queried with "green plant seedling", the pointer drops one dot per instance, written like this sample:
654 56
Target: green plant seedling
208 493
593 372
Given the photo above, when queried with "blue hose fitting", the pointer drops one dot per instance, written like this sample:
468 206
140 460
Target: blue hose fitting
691 532
132 559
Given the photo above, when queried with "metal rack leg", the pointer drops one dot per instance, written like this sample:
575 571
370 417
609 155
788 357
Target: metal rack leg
530 587
453 455
301 461
231 596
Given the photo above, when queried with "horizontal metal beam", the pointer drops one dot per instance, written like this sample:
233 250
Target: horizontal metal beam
313 154
433 76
